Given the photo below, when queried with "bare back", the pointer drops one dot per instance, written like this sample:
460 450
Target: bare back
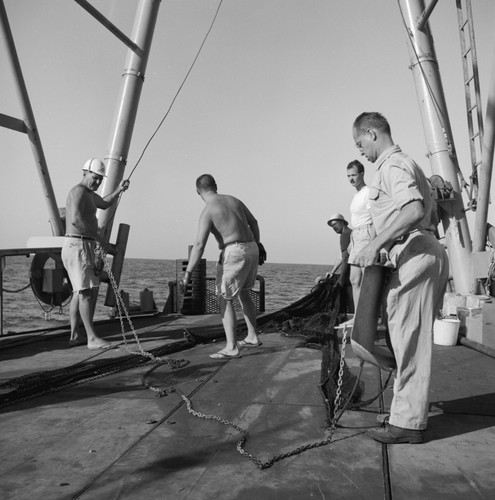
231 220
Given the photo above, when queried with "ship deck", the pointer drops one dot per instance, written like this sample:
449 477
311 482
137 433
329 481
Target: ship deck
112 437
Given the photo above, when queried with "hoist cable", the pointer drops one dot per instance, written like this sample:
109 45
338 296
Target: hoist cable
171 103
437 106
179 89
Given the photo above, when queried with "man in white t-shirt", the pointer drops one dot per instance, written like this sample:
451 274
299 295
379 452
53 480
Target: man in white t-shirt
361 224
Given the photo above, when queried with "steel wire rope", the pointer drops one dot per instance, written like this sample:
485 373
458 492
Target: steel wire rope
437 106
180 87
191 67
142 352
113 283
165 117
172 102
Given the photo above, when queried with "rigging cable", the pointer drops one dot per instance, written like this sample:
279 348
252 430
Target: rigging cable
179 89
437 106
438 109
171 103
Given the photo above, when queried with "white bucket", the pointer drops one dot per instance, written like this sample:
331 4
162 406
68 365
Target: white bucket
446 331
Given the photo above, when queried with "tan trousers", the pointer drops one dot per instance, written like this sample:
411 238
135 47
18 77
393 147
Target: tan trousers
414 296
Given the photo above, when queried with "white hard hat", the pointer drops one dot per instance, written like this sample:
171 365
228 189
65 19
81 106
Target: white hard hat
336 216
96 166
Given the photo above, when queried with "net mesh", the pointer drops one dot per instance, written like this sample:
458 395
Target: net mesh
314 317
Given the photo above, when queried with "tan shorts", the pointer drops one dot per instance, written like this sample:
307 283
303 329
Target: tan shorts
237 269
360 237
78 257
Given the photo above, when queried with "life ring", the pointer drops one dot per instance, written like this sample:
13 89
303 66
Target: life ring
56 298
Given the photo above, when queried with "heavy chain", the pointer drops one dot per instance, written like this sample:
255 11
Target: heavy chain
244 434
58 379
338 392
268 463
122 310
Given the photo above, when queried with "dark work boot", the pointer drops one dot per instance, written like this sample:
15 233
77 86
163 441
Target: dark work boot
390 434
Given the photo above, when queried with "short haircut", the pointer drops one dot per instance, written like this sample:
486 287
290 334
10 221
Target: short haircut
357 164
206 182
374 120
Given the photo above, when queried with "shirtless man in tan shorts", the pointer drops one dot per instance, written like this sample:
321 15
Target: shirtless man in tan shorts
78 251
238 236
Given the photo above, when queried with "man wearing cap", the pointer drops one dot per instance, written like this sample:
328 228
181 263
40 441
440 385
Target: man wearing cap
79 250
338 223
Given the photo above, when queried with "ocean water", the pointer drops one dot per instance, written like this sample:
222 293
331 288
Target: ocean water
284 284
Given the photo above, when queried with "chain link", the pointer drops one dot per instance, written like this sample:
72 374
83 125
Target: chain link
157 361
122 310
268 463
338 392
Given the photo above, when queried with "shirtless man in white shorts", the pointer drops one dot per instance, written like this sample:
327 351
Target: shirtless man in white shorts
238 236
78 251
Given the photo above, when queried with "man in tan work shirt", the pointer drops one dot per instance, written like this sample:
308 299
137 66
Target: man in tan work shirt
402 208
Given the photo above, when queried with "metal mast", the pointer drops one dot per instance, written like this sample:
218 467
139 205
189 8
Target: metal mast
28 126
125 114
486 168
481 146
472 94
439 140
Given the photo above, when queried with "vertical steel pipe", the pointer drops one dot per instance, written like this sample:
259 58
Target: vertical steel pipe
439 141
125 114
486 168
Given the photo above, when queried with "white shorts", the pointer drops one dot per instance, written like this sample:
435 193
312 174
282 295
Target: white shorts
237 269
79 260
360 237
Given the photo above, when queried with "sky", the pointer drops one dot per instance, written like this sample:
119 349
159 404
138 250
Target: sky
267 110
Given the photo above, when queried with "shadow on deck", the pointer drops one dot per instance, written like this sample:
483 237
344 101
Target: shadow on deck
111 437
